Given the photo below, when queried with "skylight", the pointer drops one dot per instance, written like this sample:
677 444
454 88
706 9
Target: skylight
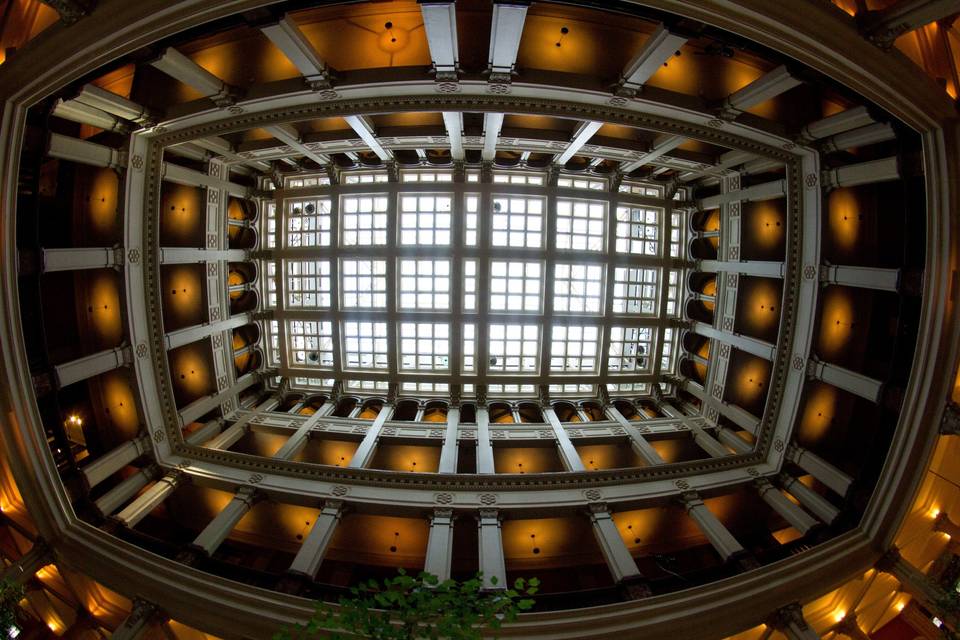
511 284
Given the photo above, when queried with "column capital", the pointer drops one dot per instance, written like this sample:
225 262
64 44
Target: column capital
889 560
787 615
489 514
690 499
950 423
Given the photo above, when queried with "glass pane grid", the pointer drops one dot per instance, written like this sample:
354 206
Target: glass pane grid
596 184
364 284
425 219
364 220
311 343
638 231
365 345
574 349
515 286
581 224
425 284
518 221
630 350
308 283
635 290
308 222
513 348
578 288
424 346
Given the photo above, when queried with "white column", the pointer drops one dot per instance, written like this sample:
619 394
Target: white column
289 135
112 103
749 267
765 191
505 35
205 433
767 86
863 277
453 122
137 623
83 152
448 454
662 144
287 37
794 515
24 568
149 500
817 504
621 563
656 51
731 439
581 136
837 123
180 67
114 460
296 442
707 442
78 259
314 548
718 535
92 365
752 346
85 114
368 446
231 435
871 172
440 544
492 564
491 133
196 410
189 335
845 379
125 490
484 446
638 443
188 255
820 469
861 137
440 23
568 453
364 128
789 620
220 527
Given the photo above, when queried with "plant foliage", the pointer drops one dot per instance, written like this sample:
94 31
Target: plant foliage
11 593
417 607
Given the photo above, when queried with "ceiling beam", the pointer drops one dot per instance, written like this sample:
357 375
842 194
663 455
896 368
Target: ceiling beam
222 147
884 26
289 135
440 22
491 134
288 37
453 121
505 32
664 143
364 129
658 48
181 68
583 134
769 85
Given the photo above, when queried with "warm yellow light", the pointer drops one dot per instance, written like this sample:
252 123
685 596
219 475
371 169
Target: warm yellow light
933 513
839 615
900 605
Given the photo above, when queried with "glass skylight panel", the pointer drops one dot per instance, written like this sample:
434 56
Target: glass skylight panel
517 178
308 283
515 286
364 284
676 234
471 211
271 231
425 219
673 293
364 220
573 389
426 387
518 221
578 288
581 224
638 230
271 282
426 176
597 184
667 350
308 222
364 178
641 189
311 343
367 385
629 387
631 349
510 389
473 176
513 348
574 349
311 181
274 335
424 346
635 290
469 285
469 342
365 345
425 284
313 383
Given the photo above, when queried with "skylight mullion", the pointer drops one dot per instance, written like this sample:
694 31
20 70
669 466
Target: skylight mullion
546 320
456 280
483 280
335 303
392 303
664 283
608 292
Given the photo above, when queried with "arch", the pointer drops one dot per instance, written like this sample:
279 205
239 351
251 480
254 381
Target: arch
345 406
593 410
370 409
627 409
501 413
435 411
530 413
566 412
406 410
